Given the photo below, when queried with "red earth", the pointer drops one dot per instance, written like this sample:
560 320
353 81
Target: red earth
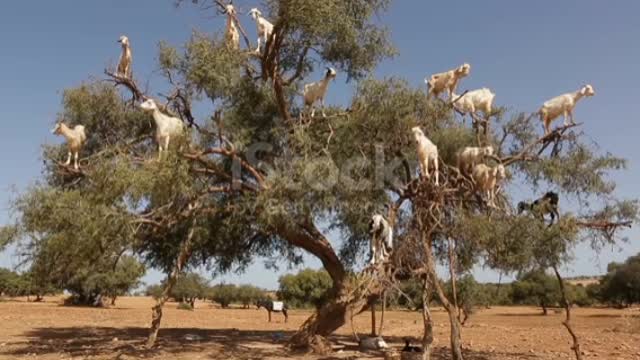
48 330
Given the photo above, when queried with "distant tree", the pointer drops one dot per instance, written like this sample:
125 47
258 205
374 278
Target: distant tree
306 288
224 294
494 294
579 295
155 290
248 294
39 286
594 292
11 283
621 285
469 293
189 287
536 288
411 294
95 285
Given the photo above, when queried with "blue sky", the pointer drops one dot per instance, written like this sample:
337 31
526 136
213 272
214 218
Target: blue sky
526 52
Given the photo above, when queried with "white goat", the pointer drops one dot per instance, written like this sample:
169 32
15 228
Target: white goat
265 28
316 91
469 156
166 126
76 138
232 33
381 238
487 179
562 105
472 101
124 65
427 153
447 80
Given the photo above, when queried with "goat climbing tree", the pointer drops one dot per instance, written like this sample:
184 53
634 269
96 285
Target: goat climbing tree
252 180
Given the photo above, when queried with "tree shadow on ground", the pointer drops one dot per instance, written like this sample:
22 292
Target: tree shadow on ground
215 344
528 314
613 316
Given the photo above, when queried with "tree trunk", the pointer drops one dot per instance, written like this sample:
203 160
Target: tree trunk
465 314
373 320
497 296
545 311
451 308
384 310
335 313
113 301
156 312
427 320
328 319
452 273
567 321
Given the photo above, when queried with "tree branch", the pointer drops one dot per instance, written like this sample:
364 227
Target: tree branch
299 67
545 140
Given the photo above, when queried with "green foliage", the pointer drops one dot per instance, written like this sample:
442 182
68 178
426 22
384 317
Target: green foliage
185 306
14 284
497 294
7 235
469 293
306 288
248 295
224 294
88 287
536 288
580 296
155 290
621 284
411 296
343 32
190 287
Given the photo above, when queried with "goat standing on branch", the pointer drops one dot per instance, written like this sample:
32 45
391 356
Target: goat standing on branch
487 179
470 156
447 80
232 34
166 126
124 65
76 138
547 204
427 153
562 105
265 28
472 101
316 91
381 238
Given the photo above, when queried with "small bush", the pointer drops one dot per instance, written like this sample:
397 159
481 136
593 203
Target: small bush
185 306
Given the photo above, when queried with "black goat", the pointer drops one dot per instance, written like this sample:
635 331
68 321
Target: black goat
410 348
547 204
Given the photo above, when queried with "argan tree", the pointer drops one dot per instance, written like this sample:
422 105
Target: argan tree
254 176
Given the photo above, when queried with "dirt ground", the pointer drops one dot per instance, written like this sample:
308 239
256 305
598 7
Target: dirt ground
48 330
